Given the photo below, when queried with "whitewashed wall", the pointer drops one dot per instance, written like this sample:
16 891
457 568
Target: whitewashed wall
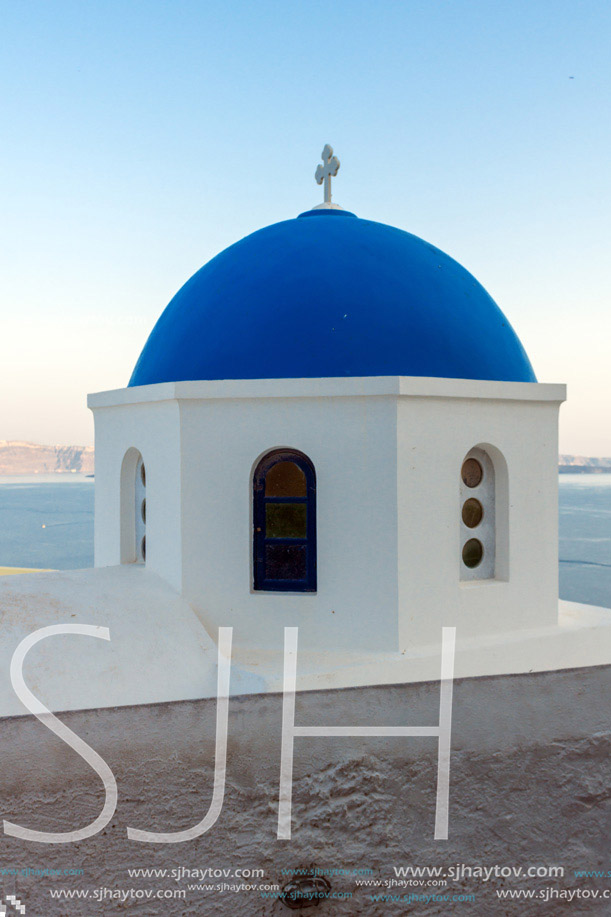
351 442
521 438
388 454
153 429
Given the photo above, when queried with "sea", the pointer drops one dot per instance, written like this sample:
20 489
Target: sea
46 521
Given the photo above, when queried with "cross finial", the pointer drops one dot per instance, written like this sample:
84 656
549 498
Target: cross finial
324 172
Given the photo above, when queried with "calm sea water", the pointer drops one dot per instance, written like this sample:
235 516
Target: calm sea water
47 521
585 538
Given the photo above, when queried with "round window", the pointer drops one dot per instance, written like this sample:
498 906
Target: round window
143 547
143 510
472 472
472 553
143 474
472 512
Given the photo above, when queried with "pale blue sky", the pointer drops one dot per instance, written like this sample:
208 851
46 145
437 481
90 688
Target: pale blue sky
140 138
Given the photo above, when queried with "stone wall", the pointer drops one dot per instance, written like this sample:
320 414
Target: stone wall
530 785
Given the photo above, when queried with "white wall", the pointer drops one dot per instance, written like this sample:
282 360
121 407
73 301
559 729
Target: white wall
152 429
351 442
388 454
434 436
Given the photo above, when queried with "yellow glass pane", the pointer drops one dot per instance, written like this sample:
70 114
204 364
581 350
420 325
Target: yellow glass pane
286 520
285 479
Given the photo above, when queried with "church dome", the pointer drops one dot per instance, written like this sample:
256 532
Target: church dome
328 294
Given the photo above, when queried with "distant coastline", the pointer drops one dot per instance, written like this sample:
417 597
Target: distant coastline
581 464
33 458
583 469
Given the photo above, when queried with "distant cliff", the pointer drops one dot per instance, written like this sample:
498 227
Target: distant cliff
31 458
581 464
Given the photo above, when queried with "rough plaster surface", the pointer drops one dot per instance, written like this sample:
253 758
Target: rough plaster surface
530 785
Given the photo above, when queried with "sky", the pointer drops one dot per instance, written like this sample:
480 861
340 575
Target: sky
141 138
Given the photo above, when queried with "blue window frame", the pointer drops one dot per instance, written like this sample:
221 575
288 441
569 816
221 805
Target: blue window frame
284 521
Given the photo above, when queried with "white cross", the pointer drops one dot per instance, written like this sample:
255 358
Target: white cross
323 173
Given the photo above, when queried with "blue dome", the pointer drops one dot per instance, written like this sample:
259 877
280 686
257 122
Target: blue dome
327 294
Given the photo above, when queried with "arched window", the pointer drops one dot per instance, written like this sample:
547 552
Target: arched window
133 508
140 512
284 521
477 516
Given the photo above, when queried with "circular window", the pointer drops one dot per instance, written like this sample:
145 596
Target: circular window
143 510
472 472
472 553
143 547
143 474
472 512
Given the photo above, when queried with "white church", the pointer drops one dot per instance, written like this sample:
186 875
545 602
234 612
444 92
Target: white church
332 426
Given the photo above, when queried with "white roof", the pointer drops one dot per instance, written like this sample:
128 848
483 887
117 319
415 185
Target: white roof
158 650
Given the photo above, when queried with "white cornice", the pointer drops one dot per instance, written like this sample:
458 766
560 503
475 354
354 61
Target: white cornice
342 387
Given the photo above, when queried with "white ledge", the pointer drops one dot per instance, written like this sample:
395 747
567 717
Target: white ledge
341 387
159 651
